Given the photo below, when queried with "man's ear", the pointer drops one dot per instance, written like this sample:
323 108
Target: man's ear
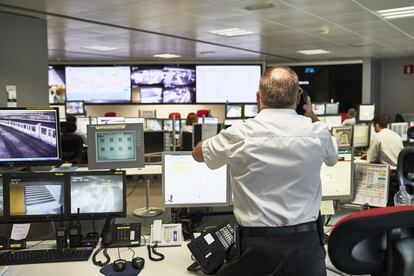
258 100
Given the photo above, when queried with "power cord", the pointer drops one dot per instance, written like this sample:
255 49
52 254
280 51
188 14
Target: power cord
151 250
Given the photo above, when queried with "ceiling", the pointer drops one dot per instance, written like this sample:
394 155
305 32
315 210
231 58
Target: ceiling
348 29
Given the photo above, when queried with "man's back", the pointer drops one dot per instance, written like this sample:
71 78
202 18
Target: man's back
275 161
385 147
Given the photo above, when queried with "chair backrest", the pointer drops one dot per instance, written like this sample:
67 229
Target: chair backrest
72 147
405 166
356 244
177 115
410 132
344 116
110 114
203 113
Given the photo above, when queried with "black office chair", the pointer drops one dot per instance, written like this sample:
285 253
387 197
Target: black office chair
72 144
187 141
405 169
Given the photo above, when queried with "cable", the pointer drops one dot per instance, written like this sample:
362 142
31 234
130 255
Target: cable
105 253
132 252
327 221
145 240
93 225
133 189
119 253
151 249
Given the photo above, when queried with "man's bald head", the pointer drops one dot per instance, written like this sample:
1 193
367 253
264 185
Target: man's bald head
278 88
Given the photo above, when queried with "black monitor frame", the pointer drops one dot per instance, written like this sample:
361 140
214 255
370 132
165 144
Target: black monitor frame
96 215
80 113
359 113
37 161
32 218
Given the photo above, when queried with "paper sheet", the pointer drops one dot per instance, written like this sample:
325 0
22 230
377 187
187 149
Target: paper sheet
20 231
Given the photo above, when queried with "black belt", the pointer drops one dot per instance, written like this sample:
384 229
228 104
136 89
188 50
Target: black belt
272 231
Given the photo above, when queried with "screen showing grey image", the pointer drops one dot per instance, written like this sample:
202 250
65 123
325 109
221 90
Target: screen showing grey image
96 193
116 146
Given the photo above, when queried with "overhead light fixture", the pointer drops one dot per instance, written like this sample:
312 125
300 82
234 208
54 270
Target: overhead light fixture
167 55
260 6
313 52
231 32
397 12
100 48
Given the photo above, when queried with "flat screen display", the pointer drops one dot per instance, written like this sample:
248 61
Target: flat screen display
361 136
318 108
111 84
29 136
115 146
153 124
366 112
75 107
227 83
190 183
343 135
110 120
57 84
151 94
331 108
401 129
36 194
234 110
167 125
97 193
331 121
250 110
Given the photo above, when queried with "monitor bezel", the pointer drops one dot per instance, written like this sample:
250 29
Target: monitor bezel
180 205
37 162
96 215
250 104
74 114
91 133
32 218
359 113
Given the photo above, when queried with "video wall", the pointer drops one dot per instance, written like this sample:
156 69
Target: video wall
154 84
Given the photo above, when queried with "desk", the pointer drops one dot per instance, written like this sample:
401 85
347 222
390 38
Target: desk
147 170
176 261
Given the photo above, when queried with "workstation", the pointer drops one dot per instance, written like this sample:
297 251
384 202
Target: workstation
95 140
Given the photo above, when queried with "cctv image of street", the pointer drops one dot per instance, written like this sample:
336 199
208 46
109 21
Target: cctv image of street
96 193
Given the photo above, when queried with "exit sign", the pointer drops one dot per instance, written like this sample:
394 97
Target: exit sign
408 69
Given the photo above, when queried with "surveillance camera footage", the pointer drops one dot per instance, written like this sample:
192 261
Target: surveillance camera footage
96 193
179 95
36 196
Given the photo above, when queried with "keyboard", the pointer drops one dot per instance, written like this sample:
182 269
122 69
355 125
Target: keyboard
45 256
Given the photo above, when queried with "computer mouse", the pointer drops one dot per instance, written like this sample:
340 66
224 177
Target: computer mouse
138 263
119 265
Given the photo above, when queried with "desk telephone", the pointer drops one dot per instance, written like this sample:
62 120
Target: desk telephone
211 249
121 232
165 234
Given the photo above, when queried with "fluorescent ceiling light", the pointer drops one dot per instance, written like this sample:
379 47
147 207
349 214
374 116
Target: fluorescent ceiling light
100 48
314 52
397 12
168 55
231 32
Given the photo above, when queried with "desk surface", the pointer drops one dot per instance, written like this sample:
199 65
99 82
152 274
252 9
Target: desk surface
176 261
147 170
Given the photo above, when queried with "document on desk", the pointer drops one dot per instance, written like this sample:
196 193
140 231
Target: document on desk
371 184
20 231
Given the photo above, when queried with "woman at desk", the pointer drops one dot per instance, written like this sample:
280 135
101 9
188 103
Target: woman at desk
192 119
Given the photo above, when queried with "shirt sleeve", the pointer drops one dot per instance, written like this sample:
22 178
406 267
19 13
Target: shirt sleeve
218 149
373 150
331 148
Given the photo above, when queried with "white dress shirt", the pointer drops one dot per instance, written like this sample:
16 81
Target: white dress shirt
275 161
349 122
385 147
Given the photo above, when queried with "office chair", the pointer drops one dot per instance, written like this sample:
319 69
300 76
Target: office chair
110 114
377 241
177 115
203 113
72 144
405 169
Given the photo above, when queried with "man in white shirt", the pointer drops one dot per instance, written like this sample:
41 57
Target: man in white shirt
351 121
275 161
385 144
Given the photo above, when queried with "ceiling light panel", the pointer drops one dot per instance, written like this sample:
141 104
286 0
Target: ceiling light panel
397 12
231 32
313 52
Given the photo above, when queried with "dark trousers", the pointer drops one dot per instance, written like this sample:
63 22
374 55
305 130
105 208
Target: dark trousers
287 254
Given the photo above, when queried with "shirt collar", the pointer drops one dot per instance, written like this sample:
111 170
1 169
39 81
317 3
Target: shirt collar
268 111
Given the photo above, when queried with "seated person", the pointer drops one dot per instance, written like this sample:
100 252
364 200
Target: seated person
72 119
351 117
192 119
384 149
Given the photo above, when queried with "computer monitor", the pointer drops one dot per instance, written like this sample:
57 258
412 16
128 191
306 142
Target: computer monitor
153 124
366 112
115 146
208 120
234 110
361 136
29 136
343 136
167 125
337 180
97 194
134 120
318 108
331 108
75 107
250 110
400 129
35 196
187 183
1 198
204 131
110 120
230 122
154 141
331 121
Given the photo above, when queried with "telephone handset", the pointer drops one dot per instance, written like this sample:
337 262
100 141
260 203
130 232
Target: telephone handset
165 234
121 232
211 249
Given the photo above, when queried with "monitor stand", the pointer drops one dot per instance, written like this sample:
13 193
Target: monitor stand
147 212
